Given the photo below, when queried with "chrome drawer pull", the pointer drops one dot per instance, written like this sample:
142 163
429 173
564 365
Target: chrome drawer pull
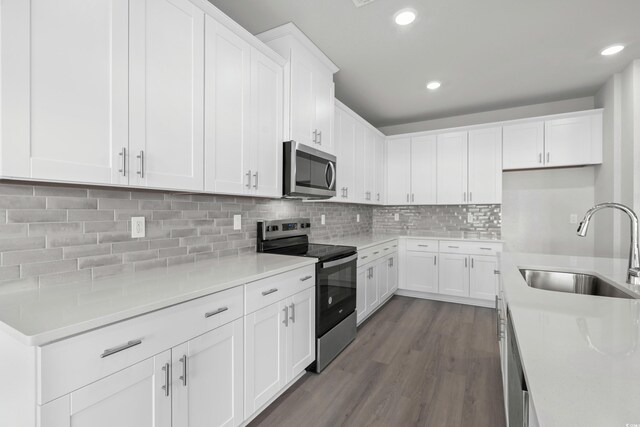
304 279
167 378
364 257
454 247
270 291
376 253
425 246
183 377
496 271
218 311
386 249
486 249
114 350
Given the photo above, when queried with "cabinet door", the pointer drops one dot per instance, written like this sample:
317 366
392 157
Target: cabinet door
301 332
64 89
379 170
345 145
568 141
361 293
303 103
421 271
369 165
485 166
382 270
133 397
454 275
424 170
166 94
266 124
324 106
482 279
265 355
227 103
393 273
398 171
452 168
213 390
359 186
373 297
523 146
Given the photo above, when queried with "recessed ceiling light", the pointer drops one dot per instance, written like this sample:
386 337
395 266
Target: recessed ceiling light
405 17
612 50
433 85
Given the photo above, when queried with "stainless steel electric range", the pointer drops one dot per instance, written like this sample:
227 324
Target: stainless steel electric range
335 283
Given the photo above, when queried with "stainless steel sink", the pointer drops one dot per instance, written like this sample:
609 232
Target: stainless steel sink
573 283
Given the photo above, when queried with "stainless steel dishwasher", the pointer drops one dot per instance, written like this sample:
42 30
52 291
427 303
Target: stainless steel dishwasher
518 400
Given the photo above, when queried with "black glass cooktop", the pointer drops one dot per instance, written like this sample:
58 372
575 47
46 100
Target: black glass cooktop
313 250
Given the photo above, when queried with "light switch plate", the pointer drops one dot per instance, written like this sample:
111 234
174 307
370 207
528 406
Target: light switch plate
357 217
396 217
237 222
573 219
322 219
137 227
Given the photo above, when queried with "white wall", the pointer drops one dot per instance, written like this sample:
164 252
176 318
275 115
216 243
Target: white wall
537 204
534 110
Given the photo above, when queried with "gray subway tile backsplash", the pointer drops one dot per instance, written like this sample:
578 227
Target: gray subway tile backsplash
56 234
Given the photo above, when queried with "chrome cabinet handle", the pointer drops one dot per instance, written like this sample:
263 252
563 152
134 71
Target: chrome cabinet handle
407 197
413 197
454 247
498 334
123 161
255 180
140 157
218 311
464 196
270 291
547 157
525 408
315 136
486 249
386 249
305 278
435 260
320 137
425 246
286 316
470 196
540 158
496 272
248 174
111 351
472 263
183 377
376 253
167 378
465 263
364 257
378 197
292 317
347 188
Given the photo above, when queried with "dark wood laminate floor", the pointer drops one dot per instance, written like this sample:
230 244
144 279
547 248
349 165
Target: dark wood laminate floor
414 363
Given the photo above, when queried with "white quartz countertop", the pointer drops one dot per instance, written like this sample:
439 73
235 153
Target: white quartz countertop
364 241
580 353
41 316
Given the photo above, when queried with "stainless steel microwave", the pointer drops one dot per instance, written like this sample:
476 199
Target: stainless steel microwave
308 173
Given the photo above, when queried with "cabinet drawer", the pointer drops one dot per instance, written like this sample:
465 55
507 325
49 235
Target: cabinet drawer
264 292
72 363
470 248
373 253
422 245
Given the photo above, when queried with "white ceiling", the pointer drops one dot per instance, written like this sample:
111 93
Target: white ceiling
488 54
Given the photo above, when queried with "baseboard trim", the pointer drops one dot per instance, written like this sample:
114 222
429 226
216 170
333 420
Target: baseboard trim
445 298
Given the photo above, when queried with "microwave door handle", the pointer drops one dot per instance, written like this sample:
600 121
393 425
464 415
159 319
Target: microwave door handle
339 261
333 174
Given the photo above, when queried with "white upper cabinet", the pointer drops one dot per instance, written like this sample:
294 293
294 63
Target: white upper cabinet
523 145
398 171
424 170
359 187
266 124
571 139
227 103
369 165
485 166
380 170
345 128
64 71
309 88
452 168
166 128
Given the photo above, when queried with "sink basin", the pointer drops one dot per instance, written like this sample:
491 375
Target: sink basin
573 283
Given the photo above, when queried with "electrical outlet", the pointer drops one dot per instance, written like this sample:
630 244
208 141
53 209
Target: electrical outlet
470 217
573 219
357 217
322 219
137 227
396 217
237 222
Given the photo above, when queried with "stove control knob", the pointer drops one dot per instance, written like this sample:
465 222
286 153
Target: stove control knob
302 225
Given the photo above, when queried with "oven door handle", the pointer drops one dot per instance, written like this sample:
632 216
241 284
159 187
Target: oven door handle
339 261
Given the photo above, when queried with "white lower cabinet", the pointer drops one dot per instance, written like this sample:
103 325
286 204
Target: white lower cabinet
134 397
454 274
377 278
373 297
421 271
482 277
382 275
279 345
393 273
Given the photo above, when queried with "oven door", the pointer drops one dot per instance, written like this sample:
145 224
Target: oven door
335 292
309 173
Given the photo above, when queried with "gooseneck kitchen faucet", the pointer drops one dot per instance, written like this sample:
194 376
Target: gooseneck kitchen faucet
633 273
